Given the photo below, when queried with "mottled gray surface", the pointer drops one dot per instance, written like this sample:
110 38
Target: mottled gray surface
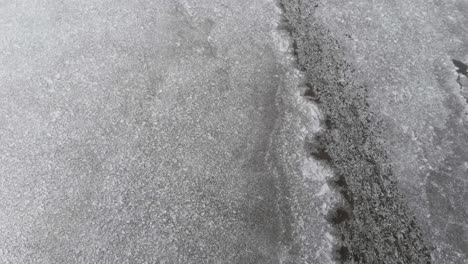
176 131
137 132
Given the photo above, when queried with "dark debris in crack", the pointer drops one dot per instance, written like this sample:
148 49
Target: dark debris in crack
462 69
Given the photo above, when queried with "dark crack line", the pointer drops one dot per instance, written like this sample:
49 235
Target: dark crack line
459 82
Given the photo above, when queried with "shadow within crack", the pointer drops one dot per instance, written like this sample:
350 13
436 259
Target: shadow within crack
462 69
